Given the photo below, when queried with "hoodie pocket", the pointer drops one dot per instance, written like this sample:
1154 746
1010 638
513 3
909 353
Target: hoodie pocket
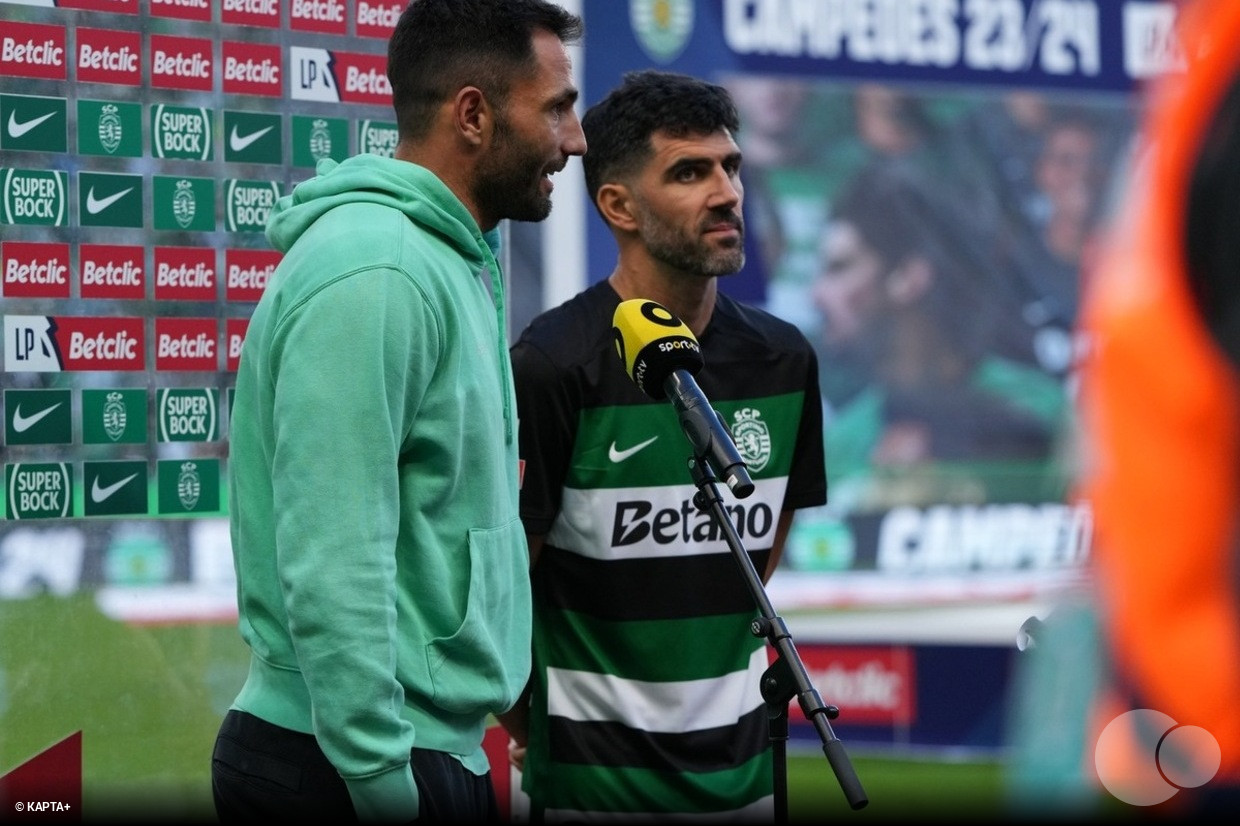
484 665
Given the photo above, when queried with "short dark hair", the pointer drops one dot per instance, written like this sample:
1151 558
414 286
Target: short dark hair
440 46
619 127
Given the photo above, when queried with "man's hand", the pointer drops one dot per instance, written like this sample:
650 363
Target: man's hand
516 754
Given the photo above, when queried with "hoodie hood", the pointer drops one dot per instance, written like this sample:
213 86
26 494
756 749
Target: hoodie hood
412 189
418 193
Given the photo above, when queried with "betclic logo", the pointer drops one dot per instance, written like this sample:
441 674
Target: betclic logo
185 344
112 271
185 274
264 13
35 269
198 10
876 685
246 273
181 63
234 334
321 16
34 50
253 69
106 56
377 18
53 344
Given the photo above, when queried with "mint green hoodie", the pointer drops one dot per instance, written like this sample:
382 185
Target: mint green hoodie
382 572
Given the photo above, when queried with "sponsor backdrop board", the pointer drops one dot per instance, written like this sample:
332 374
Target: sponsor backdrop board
142 146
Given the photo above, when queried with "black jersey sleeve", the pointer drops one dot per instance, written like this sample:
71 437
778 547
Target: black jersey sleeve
807 477
548 426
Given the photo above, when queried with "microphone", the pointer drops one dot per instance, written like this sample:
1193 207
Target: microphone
660 355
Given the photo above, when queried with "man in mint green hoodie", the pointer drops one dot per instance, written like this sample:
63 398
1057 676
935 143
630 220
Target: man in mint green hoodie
382 570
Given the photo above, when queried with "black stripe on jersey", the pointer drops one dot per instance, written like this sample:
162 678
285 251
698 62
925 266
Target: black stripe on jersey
648 588
618 745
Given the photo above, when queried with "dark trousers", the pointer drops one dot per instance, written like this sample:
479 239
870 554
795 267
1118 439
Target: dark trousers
262 771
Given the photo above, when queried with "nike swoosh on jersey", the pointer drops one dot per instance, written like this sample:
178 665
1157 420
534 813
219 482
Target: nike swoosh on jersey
23 423
239 142
16 130
98 494
97 205
621 455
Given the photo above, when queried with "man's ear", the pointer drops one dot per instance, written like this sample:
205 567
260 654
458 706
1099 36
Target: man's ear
471 115
615 203
908 283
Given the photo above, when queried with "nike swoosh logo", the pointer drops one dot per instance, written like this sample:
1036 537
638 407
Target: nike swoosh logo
239 142
621 455
98 494
16 130
23 423
97 205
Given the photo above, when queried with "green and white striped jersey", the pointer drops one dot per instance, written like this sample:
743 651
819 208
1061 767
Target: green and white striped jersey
646 692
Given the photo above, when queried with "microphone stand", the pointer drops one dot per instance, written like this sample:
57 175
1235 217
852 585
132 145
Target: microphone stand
786 677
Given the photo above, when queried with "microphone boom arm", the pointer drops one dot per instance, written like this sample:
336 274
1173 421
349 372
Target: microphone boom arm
707 432
786 678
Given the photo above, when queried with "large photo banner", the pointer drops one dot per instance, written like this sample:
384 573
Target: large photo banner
925 184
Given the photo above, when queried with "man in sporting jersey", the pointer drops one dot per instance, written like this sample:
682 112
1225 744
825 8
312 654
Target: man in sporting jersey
645 698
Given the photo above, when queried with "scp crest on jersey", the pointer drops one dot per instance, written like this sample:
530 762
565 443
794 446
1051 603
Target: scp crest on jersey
752 437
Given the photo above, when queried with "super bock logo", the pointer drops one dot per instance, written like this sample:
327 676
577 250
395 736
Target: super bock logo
753 438
110 128
114 416
183 204
189 485
662 27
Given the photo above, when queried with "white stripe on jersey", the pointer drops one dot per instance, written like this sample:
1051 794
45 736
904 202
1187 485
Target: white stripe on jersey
681 706
587 520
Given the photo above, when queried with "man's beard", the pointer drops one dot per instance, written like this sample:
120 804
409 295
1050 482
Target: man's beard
510 179
692 255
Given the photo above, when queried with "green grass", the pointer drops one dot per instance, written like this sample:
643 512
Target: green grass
148 701
897 789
